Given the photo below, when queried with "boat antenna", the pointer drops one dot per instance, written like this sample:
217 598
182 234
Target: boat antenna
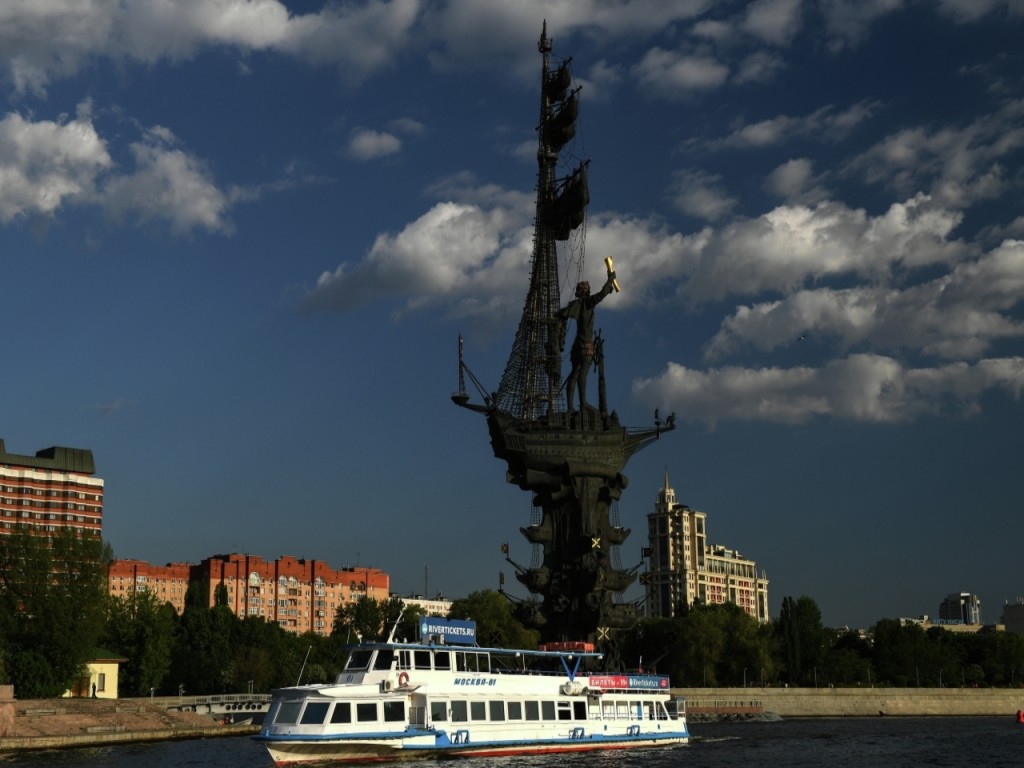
303 668
394 627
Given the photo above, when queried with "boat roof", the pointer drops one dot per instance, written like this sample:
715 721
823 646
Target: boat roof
396 645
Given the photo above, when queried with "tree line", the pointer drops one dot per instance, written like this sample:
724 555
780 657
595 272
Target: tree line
56 615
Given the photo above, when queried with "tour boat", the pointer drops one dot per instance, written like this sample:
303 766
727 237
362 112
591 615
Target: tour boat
444 696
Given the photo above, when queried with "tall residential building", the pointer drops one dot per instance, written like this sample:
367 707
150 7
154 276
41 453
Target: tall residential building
961 608
300 595
55 489
684 568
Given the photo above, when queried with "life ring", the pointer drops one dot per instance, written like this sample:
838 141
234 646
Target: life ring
403 679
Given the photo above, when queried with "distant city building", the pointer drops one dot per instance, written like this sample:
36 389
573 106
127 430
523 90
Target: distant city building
1013 616
54 490
962 608
300 595
684 568
438 606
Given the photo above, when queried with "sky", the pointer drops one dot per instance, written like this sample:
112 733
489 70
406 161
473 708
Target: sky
240 239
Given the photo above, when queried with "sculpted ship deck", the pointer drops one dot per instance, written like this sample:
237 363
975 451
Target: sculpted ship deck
397 701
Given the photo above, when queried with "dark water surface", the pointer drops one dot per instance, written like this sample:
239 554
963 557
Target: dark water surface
883 742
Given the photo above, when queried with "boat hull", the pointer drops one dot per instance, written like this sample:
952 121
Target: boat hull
292 752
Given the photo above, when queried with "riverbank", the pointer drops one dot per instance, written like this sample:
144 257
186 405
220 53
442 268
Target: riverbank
67 723
851 702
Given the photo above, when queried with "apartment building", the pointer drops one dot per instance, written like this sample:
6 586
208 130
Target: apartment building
53 490
683 568
301 595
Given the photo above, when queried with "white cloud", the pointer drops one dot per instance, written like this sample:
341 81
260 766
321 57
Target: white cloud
774 21
959 166
870 388
47 164
673 74
700 194
824 124
367 144
789 245
168 184
794 181
54 39
847 21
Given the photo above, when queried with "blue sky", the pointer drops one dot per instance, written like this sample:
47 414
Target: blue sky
240 240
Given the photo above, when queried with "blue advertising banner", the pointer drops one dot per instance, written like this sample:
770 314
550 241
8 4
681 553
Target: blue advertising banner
450 630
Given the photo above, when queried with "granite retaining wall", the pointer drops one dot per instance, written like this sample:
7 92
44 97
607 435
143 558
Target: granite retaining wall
854 702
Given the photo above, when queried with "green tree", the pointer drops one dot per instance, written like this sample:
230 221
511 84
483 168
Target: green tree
495 624
802 640
141 629
53 593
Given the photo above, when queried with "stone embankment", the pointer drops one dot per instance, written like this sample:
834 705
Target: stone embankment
703 703
64 723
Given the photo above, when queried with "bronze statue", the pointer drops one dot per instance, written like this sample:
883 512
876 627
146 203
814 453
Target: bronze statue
581 310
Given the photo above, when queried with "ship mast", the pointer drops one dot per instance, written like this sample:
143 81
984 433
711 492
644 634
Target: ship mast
531 385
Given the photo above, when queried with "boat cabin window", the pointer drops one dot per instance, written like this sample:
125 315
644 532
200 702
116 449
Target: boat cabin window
358 660
579 710
384 660
366 712
497 710
288 712
315 712
342 713
515 710
547 710
472 662
442 660
477 710
564 711
532 710
438 710
460 712
394 711
421 659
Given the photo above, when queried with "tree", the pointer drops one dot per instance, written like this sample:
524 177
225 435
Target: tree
802 640
141 629
495 624
53 593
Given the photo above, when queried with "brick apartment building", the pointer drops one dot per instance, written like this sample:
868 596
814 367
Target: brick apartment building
301 595
53 490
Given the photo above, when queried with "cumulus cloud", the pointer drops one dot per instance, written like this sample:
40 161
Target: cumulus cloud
864 387
774 21
48 163
169 184
367 144
958 165
674 74
795 182
791 244
826 123
701 194
55 39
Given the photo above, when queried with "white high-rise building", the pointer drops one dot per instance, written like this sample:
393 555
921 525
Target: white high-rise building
683 568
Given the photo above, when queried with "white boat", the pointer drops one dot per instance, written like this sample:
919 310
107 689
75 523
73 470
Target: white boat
439 698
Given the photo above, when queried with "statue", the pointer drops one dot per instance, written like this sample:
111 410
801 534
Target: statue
581 309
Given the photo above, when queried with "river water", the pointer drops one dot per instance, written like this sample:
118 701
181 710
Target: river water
882 742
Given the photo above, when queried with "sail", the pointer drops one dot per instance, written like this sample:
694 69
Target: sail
561 127
557 83
569 207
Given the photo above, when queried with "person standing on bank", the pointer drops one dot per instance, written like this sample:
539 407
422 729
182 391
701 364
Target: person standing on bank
581 309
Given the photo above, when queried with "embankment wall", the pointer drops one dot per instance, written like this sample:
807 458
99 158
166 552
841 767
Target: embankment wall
855 702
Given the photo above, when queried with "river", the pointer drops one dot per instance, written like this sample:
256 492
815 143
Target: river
882 742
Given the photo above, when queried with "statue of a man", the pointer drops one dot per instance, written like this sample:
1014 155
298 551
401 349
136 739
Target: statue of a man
581 309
